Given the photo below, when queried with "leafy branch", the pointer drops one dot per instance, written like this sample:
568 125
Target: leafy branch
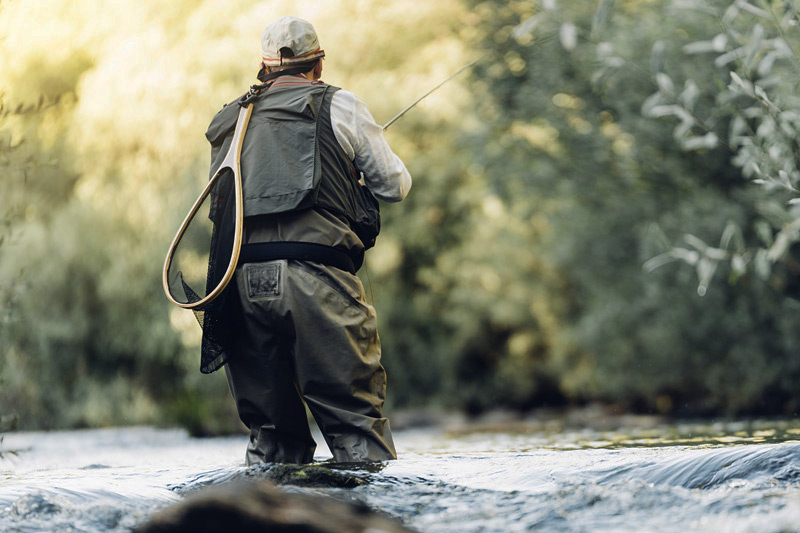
763 118
754 115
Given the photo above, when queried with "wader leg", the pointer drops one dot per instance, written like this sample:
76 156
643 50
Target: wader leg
260 375
337 361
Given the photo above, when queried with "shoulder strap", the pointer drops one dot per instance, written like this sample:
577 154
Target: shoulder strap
267 80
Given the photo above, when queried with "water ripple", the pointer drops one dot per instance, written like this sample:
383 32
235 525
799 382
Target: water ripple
113 479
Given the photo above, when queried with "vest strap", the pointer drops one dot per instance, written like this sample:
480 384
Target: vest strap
304 251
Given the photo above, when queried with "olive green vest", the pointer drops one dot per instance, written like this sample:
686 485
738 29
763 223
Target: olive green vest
290 158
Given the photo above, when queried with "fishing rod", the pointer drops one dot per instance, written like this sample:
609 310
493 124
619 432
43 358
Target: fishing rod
421 98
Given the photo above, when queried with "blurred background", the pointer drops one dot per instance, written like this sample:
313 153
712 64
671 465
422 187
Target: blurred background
604 208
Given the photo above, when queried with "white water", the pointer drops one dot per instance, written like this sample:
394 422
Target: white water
737 480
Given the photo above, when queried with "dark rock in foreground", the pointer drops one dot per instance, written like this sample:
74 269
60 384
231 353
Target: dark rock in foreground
260 506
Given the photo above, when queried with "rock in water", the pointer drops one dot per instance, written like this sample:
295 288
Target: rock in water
330 475
260 506
307 475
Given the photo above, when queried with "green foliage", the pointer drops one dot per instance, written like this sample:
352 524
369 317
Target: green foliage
460 313
569 131
750 109
9 163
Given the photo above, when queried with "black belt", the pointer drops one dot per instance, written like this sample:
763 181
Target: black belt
304 251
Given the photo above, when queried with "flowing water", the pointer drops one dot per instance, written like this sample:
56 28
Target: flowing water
736 477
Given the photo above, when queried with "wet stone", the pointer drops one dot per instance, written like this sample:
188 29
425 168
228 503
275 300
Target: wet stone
319 475
95 467
260 506
307 476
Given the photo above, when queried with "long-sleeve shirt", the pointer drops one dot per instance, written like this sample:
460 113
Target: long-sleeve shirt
362 140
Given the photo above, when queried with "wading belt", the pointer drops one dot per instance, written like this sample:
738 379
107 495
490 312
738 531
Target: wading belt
304 251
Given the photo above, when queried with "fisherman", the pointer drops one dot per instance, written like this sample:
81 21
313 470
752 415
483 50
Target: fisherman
304 333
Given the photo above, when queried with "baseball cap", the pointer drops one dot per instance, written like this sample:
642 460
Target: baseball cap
288 41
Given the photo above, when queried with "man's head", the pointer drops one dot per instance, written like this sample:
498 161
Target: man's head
291 42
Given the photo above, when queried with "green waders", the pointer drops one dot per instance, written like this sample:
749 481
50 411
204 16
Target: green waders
307 334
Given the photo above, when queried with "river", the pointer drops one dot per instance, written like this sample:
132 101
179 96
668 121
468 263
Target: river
734 476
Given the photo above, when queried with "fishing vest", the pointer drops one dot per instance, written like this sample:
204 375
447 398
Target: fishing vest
290 158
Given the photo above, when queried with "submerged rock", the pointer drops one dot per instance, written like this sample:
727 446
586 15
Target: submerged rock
320 475
306 475
256 506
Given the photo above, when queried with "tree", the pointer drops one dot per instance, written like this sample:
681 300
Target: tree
751 112
568 138
9 165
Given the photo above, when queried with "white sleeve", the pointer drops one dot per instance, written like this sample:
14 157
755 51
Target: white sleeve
363 142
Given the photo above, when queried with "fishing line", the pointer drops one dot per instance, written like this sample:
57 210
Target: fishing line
421 98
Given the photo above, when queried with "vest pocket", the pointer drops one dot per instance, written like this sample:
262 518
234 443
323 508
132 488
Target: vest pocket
280 166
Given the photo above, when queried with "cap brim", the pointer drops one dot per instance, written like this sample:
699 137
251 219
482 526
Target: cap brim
278 61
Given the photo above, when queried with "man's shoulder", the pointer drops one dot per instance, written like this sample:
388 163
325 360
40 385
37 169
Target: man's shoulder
345 99
223 122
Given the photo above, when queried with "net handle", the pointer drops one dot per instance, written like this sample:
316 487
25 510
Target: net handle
231 161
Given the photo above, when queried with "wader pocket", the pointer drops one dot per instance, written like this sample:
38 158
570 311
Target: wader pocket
264 280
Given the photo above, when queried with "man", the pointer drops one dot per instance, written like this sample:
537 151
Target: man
304 332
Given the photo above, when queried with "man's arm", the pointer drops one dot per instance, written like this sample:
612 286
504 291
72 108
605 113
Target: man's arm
363 142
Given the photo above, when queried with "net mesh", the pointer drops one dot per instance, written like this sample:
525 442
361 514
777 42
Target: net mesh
198 264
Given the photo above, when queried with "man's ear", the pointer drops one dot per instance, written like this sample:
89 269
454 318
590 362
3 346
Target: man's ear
262 72
318 70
